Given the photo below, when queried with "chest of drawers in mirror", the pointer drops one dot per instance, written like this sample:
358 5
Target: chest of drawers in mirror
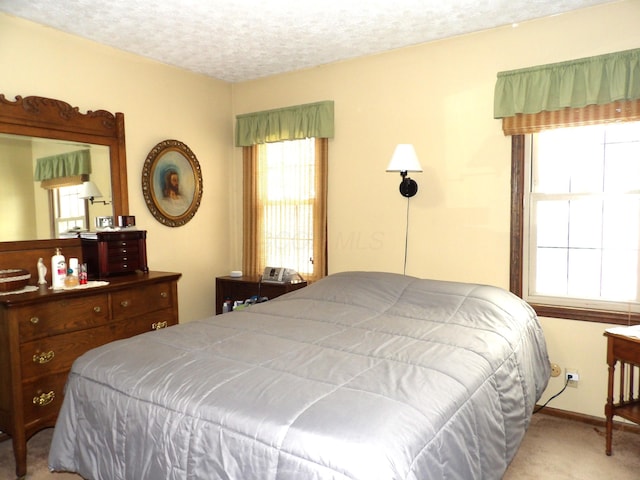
43 332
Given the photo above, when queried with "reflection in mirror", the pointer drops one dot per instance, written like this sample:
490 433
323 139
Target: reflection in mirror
41 118
37 205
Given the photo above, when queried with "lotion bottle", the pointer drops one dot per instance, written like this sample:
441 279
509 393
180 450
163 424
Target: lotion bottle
58 270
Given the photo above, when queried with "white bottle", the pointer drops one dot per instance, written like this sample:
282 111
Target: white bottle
58 270
73 265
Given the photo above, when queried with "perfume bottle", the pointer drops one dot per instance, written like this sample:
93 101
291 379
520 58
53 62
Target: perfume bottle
82 274
70 280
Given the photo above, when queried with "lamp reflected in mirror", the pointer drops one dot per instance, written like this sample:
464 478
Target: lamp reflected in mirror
90 191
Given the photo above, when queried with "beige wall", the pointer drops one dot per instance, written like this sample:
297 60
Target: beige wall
438 96
159 102
17 204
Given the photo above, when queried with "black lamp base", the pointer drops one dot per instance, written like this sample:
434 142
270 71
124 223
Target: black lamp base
408 187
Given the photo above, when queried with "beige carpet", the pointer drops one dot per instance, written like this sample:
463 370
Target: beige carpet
553 448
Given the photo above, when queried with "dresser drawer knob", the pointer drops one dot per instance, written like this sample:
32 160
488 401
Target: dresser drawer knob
43 357
163 294
158 325
34 320
44 399
124 303
97 309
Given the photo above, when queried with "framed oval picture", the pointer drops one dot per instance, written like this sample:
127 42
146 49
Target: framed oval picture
172 183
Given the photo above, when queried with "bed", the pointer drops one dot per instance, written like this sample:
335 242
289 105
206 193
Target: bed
362 375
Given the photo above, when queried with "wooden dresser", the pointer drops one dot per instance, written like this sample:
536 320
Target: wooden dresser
43 332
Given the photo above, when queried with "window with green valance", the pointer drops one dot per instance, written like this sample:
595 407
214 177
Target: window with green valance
595 80
59 169
313 120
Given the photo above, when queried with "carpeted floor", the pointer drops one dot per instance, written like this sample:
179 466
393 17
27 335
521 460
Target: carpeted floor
553 448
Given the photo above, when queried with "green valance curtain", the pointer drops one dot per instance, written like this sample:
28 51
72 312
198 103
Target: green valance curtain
64 169
598 80
63 165
289 123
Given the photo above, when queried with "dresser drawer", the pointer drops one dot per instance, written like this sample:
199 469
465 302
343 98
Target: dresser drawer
42 398
123 256
53 354
126 304
145 323
58 316
127 264
123 245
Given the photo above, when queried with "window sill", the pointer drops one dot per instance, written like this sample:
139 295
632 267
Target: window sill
600 316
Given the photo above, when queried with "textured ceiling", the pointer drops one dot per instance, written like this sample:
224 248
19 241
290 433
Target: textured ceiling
238 40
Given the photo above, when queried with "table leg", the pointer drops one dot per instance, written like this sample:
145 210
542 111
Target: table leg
608 409
20 454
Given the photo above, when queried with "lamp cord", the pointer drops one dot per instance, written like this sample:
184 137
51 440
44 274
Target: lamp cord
406 239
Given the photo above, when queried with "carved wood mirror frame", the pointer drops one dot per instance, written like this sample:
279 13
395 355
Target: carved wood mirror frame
49 118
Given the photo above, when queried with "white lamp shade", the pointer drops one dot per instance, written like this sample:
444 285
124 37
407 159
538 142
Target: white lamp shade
90 190
404 159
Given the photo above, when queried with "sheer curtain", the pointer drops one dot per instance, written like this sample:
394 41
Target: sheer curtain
285 218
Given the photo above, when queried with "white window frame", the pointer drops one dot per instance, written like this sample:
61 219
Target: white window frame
528 256
61 223
295 259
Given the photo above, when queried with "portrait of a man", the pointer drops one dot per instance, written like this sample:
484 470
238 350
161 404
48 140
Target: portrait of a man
174 183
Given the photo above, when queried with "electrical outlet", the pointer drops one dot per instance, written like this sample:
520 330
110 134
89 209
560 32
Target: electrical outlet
572 377
555 370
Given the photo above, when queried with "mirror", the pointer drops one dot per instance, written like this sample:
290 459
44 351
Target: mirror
33 127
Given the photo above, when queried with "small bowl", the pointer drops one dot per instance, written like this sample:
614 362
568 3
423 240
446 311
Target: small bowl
13 279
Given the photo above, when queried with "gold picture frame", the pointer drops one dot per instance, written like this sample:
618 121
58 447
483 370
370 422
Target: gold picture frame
172 183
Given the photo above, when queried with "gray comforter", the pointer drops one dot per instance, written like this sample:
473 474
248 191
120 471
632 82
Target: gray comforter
359 376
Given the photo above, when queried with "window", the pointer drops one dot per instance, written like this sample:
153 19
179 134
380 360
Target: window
286 210
285 158
287 194
576 246
581 221
69 210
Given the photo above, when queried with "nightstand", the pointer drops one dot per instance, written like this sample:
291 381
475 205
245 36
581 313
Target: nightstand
241 288
623 348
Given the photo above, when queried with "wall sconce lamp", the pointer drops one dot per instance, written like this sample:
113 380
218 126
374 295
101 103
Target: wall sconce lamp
90 191
405 160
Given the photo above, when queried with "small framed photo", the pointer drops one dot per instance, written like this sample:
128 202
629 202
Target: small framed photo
104 222
172 183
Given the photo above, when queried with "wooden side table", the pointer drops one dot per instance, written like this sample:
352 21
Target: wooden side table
241 288
626 350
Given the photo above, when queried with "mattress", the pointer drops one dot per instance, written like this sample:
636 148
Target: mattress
362 375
